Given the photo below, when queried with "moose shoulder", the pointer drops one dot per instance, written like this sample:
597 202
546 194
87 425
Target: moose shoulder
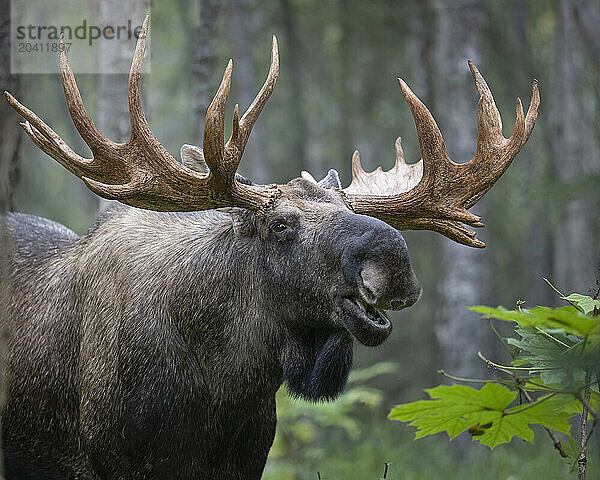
152 346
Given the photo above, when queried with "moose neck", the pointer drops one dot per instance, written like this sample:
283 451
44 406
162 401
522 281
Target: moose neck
210 284
265 341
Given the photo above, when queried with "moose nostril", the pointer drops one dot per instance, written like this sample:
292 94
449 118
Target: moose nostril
368 277
398 304
408 301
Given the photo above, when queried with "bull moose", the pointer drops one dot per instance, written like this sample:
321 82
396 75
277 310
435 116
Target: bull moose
152 346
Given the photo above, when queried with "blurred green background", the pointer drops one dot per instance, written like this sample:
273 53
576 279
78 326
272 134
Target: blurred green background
337 92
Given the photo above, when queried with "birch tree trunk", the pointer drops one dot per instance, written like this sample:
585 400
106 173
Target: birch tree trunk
576 157
456 34
297 119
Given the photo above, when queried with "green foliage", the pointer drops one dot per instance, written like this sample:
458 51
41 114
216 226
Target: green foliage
569 319
584 303
555 354
485 413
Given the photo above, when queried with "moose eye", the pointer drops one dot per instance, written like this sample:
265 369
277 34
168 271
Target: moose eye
278 227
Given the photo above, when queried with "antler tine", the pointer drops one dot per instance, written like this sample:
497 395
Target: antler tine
357 170
489 122
516 139
431 142
452 229
244 127
532 111
214 132
140 129
43 143
137 119
399 152
47 139
82 121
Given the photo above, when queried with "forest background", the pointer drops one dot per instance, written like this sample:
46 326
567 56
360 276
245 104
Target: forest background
337 92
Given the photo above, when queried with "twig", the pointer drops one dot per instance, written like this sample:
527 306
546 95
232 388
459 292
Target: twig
587 438
557 444
473 380
545 388
508 369
582 460
596 418
529 405
586 401
561 295
461 379
552 338
501 339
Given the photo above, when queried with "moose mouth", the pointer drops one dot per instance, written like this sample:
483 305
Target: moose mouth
366 323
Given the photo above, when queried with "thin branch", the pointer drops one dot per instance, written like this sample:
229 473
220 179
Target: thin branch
552 286
552 338
561 295
541 386
508 369
582 460
502 339
555 441
587 438
530 405
473 380
462 379
586 402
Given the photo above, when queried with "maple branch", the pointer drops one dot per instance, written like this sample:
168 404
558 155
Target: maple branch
555 440
581 459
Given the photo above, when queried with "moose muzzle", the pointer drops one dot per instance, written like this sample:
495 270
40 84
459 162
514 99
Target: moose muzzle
377 269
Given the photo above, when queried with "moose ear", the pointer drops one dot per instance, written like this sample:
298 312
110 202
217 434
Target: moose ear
243 220
193 158
331 180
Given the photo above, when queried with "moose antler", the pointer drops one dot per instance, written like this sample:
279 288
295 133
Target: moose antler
435 193
432 194
140 172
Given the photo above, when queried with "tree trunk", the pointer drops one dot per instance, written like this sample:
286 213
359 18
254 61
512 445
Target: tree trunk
297 121
10 131
10 134
576 157
115 56
204 64
240 18
456 31
587 15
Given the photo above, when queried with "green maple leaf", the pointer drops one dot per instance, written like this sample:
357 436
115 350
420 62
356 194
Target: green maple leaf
569 319
454 409
551 353
585 302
